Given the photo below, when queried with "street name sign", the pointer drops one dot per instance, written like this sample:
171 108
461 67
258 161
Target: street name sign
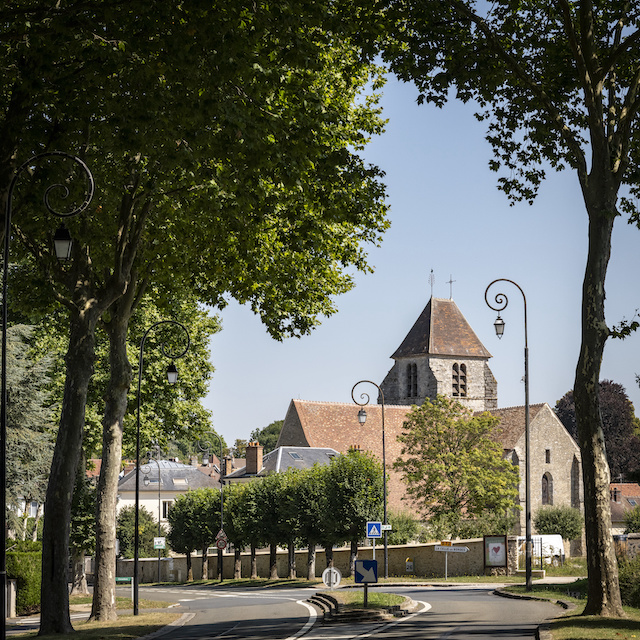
446 549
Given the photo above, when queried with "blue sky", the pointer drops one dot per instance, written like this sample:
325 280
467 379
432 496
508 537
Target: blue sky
447 216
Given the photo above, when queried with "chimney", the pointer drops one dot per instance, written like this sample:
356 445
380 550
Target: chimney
254 458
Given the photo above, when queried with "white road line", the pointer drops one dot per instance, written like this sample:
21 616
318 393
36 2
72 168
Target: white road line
310 622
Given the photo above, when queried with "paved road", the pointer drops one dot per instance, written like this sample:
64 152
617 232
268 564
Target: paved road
444 613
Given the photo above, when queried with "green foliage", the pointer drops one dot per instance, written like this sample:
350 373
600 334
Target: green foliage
632 520
404 528
147 529
194 520
82 538
29 425
451 464
25 567
566 521
268 436
629 578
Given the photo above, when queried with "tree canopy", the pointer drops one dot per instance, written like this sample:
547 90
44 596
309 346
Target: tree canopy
267 436
451 463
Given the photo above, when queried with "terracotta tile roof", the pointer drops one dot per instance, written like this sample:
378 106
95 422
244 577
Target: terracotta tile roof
512 423
626 489
441 329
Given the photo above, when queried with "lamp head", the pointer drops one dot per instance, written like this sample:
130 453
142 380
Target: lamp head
362 416
62 243
172 373
499 326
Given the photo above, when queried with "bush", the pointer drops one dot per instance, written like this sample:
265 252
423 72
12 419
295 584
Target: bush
404 528
629 577
565 521
25 567
632 520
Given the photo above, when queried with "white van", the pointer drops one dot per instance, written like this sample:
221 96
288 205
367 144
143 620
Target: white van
550 548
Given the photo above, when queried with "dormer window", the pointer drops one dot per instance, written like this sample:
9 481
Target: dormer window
459 381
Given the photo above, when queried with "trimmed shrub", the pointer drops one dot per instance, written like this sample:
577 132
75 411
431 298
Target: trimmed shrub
566 521
629 577
25 567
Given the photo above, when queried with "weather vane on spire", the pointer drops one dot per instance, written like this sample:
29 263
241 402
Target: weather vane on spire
432 280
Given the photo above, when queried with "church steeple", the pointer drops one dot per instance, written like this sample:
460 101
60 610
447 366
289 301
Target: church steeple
441 354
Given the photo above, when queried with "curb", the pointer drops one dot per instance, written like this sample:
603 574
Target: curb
180 622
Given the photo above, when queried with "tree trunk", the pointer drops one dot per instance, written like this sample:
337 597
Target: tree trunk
205 563
353 556
291 557
79 586
54 598
311 560
237 563
273 562
328 553
254 563
189 568
120 374
603 596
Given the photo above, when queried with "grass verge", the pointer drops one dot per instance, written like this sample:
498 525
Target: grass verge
354 598
575 626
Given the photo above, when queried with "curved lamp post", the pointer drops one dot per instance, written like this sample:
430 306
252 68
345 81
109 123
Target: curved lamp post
172 376
501 302
206 446
62 247
362 418
147 481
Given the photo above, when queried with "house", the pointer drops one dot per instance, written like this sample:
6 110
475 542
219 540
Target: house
160 483
625 496
442 355
279 460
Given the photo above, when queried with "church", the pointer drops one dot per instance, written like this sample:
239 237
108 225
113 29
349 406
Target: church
441 354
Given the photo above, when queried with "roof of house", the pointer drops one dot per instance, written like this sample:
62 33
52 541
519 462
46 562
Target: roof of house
442 330
174 476
628 498
512 423
284 458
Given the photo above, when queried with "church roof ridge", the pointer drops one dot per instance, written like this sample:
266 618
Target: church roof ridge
351 404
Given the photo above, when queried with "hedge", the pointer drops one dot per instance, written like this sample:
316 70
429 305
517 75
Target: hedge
25 567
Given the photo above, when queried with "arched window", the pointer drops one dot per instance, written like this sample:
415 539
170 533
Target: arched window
412 380
547 489
459 381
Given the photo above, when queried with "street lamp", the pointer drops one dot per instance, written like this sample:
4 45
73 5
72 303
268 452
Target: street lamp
62 248
501 302
147 482
205 445
172 376
362 418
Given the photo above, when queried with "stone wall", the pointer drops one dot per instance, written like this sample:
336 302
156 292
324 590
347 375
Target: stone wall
427 562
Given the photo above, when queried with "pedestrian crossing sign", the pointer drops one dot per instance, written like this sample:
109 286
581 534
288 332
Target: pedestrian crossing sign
374 529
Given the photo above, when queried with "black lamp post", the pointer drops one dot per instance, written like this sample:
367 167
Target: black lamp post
501 302
205 445
362 418
172 376
62 246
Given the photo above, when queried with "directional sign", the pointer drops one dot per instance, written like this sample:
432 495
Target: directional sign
374 529
366 571
440 547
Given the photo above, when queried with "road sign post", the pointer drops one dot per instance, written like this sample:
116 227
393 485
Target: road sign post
447 550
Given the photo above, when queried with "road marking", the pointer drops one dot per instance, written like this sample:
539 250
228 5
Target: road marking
426 607
310 622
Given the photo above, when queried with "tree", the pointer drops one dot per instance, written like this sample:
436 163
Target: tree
245 141
452 465
557 84
632 520
147 528
29 423
404 528
268 436
354 487
619 425
565 521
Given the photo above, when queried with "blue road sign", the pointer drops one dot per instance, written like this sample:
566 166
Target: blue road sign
374 529
366 571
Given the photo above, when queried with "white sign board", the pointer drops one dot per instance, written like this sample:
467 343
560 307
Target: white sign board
439 547
331 577
159 543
